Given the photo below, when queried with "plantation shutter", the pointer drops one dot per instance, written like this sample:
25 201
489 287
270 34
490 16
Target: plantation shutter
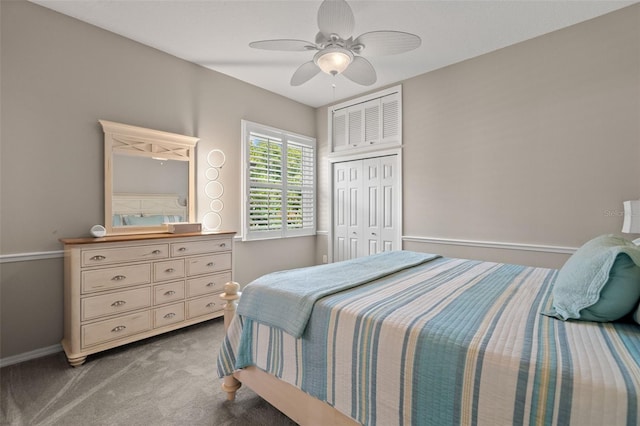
265 190
279 183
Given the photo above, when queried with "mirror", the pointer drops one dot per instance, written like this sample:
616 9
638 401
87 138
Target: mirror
149 179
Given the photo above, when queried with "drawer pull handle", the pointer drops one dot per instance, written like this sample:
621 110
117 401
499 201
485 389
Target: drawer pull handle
156 252
182 249
211 284
118 328
210 264
169 270
169 293
119 278
98 257
223 245
170 315
210 305
118 303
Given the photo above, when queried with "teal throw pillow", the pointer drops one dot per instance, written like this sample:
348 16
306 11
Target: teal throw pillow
599 282
619 295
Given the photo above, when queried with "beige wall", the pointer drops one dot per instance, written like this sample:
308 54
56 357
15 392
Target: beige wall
59 76
535 144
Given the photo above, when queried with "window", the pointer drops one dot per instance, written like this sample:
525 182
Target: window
278 183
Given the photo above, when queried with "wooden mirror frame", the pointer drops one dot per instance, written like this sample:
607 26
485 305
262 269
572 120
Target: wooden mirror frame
142 142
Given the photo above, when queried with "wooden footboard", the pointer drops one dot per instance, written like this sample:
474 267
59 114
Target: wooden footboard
231 295
299 406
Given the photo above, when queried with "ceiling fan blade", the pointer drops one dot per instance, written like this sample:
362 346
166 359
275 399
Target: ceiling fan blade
336 17
304 73
321 38
284 44
380 43
360 71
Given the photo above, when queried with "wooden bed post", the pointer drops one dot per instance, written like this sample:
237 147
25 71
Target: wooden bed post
231 295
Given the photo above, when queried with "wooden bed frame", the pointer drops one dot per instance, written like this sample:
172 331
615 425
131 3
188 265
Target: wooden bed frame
296 404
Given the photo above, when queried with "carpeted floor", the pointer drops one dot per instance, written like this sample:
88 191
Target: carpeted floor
165 380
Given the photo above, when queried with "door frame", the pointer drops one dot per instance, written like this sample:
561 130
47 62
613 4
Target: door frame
332 159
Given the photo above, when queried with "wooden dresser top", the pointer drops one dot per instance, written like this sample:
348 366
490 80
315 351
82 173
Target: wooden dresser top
136 237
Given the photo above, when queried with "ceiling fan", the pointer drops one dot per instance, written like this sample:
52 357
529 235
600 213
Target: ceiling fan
337 51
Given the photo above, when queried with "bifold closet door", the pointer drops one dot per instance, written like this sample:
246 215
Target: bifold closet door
380 192
365 207
348 210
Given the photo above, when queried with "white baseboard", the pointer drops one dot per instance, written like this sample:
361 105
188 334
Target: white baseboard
492 244
37 353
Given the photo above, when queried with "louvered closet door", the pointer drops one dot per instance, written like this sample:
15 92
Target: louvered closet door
372 121
365 207
340 137
347 210
356 123
390 116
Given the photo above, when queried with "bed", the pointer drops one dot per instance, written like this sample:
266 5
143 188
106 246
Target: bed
438 341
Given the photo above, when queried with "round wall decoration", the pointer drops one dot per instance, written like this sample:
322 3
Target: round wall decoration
214 189
216 158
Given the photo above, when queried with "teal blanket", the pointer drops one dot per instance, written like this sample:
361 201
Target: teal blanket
285 299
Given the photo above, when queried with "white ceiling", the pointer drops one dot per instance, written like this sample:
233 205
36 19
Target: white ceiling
216 33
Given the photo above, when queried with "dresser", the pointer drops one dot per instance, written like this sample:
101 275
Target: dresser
119 289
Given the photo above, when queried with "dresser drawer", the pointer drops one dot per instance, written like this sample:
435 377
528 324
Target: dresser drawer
204 305
207 284
116 328
106 256
114 303
168 270
166 293
208 264
168 315
198 247
120 276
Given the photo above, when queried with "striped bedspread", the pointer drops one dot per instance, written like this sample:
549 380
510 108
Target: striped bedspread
455 342
285 299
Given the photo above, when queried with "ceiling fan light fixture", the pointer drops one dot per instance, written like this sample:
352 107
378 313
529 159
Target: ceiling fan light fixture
338 51
333 60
